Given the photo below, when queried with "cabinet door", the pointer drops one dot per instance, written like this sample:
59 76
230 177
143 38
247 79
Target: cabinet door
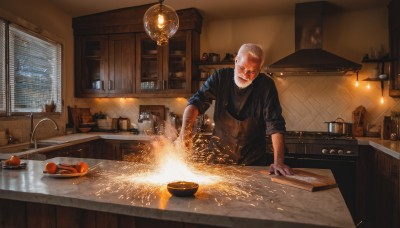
110 150
177 69
386 191
394 90
164 70
91 65
121 64
136 151
149 62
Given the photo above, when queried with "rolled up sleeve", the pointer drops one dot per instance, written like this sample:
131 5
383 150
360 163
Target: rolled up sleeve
203 98
274 121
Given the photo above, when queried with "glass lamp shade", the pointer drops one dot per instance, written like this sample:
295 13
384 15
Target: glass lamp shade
160 23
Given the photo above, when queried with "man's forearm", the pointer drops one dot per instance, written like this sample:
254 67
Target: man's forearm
189 117
279 147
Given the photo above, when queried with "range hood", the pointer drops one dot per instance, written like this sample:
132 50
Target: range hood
309 57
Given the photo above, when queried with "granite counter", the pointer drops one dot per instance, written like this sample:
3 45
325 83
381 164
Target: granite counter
388 147
229 196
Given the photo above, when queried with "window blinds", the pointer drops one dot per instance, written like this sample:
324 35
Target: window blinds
35 74
3 83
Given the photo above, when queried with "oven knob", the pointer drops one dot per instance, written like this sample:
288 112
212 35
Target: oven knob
349 152
340 151
332 151
324 151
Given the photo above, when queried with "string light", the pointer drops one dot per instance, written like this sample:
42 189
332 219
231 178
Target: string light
382 87
357 80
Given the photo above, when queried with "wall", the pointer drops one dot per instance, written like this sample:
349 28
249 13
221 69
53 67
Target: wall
310 101
54 23
307 101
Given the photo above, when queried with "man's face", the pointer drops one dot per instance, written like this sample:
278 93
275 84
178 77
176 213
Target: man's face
246 70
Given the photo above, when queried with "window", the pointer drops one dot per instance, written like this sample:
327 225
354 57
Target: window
32 77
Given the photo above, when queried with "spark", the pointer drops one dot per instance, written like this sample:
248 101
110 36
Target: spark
143 181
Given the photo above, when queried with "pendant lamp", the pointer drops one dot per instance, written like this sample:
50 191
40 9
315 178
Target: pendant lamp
160 23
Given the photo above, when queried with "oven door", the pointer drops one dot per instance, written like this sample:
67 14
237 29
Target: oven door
343 169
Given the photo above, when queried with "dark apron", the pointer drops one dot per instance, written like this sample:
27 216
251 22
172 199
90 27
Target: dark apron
240 142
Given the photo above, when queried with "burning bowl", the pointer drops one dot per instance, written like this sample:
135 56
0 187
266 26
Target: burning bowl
182 188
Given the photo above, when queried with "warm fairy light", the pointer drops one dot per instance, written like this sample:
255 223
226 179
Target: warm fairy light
382 101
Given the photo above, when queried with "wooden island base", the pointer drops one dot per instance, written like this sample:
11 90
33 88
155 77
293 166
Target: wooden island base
26 214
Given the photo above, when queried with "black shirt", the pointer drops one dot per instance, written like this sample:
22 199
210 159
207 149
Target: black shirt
259 100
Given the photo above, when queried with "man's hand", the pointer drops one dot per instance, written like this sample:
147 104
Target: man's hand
280 169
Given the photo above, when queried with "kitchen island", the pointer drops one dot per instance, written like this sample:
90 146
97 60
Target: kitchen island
123 193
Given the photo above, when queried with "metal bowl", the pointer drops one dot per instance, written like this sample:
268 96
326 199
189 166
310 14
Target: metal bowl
182 188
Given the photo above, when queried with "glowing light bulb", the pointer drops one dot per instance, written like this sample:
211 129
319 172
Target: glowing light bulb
368 86
160 21
356 83
382 101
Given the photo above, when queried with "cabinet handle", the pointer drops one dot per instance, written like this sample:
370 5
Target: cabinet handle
110 84
395 171
102 84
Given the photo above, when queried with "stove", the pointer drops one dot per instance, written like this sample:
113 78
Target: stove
339 153
320 144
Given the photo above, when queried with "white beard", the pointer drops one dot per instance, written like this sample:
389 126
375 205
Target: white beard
242 82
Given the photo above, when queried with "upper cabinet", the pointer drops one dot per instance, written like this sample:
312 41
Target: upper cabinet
115 58
104 65
394 35
165 71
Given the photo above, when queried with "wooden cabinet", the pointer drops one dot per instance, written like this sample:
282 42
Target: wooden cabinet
110 63
378 190
386 191
110 150
205 70
16 213
83 150
166 71
394 36
104 65
127 150
136 151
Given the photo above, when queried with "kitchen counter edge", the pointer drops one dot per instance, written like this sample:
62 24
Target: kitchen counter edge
388 147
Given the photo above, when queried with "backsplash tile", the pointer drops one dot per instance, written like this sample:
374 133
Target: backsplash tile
307 102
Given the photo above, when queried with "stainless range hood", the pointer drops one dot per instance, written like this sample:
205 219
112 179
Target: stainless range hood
309 57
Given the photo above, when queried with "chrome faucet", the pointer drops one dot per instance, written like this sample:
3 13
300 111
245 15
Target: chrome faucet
32 134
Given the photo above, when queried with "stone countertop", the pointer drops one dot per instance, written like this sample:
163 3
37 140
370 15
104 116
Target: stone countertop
231 196
60 142
389 147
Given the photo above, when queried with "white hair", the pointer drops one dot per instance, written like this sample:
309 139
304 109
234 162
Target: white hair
254 50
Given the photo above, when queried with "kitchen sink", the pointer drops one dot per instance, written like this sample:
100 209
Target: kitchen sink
22 147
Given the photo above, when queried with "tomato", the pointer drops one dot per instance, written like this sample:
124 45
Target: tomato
14 160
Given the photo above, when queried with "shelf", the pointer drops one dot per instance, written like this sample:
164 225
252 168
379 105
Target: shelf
216 63
380 60
376 79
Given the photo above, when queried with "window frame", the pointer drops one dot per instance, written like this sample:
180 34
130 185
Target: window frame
32 30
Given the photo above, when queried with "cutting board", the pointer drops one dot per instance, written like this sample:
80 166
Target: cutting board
306 180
